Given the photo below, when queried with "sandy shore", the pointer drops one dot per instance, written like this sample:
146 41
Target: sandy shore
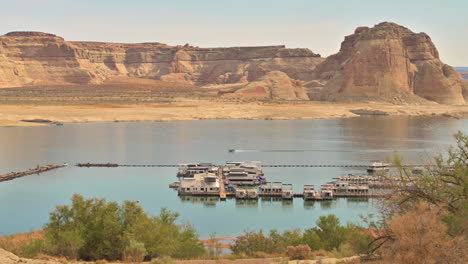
12 115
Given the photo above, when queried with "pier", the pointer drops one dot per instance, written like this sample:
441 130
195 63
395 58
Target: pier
222 187
296 195
263 165
14 175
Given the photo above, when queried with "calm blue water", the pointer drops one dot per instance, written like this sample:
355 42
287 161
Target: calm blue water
26 202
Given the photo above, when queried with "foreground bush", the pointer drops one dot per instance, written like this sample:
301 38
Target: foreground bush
427 222
299 252
328 235
420 236
94 229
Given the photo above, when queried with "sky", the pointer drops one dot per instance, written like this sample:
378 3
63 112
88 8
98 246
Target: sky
317 25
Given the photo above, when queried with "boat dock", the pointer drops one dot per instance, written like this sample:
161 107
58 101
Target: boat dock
222 188
245 180
14 175
301 195
263 165
98 165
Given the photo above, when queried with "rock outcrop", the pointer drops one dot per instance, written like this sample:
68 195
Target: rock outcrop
35 58
8 258
388 62
274 85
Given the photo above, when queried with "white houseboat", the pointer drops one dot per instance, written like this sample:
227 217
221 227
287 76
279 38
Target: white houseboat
326 192
287 192
189 170
378 166
310 193
199 184
274 188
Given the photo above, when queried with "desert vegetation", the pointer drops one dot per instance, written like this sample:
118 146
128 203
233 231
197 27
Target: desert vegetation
427 222
94 229
329 237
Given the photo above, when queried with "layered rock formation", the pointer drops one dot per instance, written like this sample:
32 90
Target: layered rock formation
32 58
385 63
388 62
274 85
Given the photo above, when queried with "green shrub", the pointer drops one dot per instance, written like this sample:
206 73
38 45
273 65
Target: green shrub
92 229
135 251
345 250
328 234
32 249
299 252
163 260
252 242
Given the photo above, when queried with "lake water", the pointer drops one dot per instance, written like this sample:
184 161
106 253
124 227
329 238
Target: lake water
26 202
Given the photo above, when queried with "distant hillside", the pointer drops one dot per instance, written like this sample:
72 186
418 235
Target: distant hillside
463 71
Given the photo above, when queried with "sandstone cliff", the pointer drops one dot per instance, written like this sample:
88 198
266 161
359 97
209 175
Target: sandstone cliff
35 58
387 62
274 85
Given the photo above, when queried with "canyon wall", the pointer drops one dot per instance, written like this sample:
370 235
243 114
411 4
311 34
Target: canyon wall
387 62
35 58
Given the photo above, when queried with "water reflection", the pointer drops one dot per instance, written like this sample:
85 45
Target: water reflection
326 204
205 200
308 204
287 203
246 203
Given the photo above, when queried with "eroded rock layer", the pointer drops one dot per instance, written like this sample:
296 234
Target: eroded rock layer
35 58
388 62
385 63
274 85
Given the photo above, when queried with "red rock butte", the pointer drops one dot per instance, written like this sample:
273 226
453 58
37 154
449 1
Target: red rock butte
388 62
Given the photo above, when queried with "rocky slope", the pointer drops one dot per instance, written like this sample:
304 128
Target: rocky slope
35 58
387 62
274 85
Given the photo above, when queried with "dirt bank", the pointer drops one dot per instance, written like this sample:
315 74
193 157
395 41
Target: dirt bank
186 109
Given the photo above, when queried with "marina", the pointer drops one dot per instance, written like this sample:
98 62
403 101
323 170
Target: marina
246 180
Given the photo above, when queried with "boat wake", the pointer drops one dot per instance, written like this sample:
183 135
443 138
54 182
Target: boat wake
327 150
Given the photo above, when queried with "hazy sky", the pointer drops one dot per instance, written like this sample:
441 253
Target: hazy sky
317 25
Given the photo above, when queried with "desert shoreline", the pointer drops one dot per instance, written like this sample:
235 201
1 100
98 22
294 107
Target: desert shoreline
12 115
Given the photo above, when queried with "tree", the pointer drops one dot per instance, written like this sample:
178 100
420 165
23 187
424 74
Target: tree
427 215
96 229
419 236
443 183
328 234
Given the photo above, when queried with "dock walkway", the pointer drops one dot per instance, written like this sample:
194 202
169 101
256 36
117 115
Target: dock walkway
14 175
222 189
264 165
300 195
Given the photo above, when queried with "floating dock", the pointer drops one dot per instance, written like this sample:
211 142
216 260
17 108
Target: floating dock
98 165
296 195
14 175
222 188
263 165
